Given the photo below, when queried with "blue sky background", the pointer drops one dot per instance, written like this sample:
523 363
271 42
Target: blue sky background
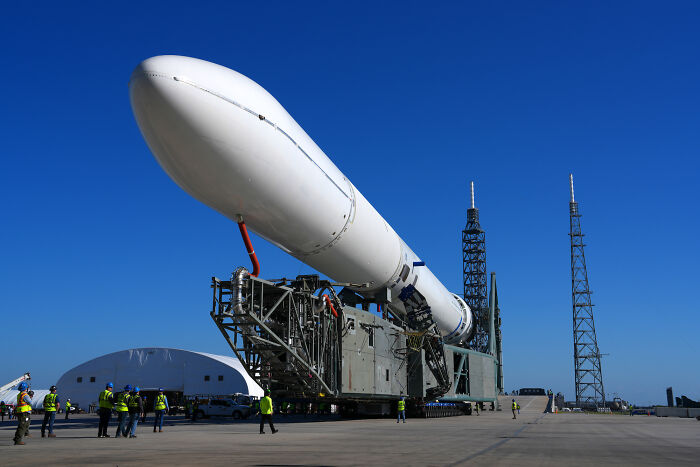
101 251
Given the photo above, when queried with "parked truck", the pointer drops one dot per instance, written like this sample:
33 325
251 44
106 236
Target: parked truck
236 406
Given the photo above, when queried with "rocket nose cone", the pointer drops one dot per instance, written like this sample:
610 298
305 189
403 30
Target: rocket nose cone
153 76
182 126
170 66
157 77
144 82
166 112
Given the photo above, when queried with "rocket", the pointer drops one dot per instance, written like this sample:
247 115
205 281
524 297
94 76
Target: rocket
228 143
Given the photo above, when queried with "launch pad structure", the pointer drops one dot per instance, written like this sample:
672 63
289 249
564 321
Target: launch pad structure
303 340
289 340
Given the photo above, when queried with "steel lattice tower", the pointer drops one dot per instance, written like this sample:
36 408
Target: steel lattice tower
588 377
474 275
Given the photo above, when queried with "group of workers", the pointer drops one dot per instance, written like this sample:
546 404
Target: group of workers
130 407
128 404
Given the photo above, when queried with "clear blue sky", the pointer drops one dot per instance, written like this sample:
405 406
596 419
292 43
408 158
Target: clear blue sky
101 251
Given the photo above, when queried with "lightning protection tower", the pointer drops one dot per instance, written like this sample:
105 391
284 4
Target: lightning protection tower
474 275
587 373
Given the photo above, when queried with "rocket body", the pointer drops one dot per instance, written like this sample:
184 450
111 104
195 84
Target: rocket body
228 143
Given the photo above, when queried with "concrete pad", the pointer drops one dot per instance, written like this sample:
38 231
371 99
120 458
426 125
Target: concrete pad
492 438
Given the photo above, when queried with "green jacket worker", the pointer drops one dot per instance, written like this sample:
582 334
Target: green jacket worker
266 412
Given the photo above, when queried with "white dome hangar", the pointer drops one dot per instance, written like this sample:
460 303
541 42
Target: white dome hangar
178 372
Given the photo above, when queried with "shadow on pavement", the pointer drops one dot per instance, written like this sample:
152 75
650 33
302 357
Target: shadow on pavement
92 421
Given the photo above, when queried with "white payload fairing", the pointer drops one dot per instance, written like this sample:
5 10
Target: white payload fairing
227 142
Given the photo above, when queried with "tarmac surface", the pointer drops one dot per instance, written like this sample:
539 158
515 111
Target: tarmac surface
492 438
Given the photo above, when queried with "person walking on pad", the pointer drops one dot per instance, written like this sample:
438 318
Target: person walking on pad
266 412
401 410
161 408
515 407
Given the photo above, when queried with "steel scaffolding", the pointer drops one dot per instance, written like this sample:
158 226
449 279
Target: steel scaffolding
588 377
285 335
474 275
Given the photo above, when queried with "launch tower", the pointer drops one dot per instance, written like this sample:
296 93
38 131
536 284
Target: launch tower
588 378
474 275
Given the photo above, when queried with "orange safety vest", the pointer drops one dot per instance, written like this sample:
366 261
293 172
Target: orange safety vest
22 405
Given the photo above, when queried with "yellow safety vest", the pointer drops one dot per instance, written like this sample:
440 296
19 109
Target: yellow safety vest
50 403
122 401
402 405
515 406
134 401
22 406
104 399
160 402
266 406
68 405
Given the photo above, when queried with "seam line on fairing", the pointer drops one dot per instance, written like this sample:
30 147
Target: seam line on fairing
461 318
261 117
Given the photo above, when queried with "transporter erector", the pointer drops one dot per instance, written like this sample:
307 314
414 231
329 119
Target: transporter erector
228 143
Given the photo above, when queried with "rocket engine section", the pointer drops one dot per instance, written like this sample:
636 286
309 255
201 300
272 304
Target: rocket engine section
227 142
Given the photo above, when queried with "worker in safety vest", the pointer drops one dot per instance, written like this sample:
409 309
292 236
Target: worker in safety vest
160 407
68 406
195 409
477 408
122 408
135 411
23 409
514 406
401 410
144 403
51 406
266 412
105 402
